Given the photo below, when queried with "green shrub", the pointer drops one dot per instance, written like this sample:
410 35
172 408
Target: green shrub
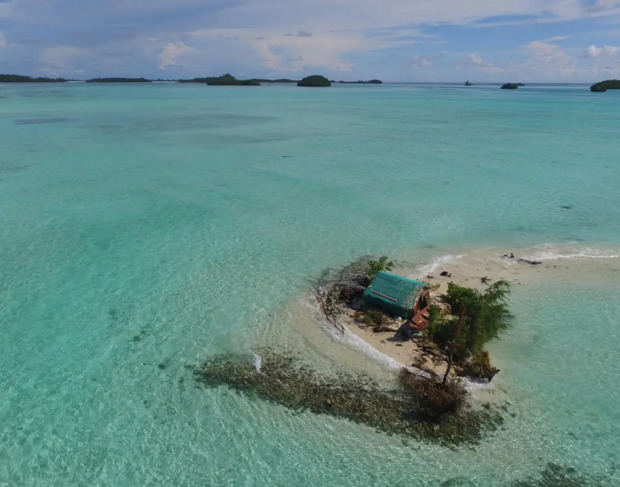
380 265
371 317
485 316
480 366
440 330
436 399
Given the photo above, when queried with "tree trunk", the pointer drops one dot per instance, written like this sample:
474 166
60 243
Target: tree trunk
453 346
445 376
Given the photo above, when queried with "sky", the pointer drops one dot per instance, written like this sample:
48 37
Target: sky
394 40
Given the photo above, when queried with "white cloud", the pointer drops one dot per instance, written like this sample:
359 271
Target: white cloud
549 60
596 51
542 49
309 49
287 52
277 37
5 9
476 59
557 38
480 65
62 59
428 60
170 53
303 52
602 5
362 14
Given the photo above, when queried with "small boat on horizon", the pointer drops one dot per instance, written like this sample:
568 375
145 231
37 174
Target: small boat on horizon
467 83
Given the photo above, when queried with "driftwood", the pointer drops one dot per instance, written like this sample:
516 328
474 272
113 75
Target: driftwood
335 288
520 259
327 310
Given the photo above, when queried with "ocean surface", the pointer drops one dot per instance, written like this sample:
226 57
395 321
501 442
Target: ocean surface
144 228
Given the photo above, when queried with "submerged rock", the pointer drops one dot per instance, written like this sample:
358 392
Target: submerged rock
419 408
558 475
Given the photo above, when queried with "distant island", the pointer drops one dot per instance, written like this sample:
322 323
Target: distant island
361 82
17 78
192 80
278 80
118 80
224 79
316 80
610 84
511 86
229 80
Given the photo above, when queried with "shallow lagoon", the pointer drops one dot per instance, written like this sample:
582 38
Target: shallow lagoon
143 228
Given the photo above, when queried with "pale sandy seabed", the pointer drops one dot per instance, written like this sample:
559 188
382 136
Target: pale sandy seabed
301 327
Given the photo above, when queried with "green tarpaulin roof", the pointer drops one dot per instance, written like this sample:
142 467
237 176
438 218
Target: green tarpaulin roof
393 293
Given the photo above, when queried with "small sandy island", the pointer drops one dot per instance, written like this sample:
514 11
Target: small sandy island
479 269
335 374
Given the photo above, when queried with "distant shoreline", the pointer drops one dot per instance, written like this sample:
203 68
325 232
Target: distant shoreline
224 80
15 78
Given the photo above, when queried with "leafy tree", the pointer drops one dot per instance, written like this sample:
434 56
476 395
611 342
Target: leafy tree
376 266
485 316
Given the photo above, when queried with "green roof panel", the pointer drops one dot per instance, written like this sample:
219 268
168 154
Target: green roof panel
393 293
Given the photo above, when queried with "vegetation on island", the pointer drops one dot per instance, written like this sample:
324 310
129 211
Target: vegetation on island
316 80
362 82
229 80
17 78
422 405
510 86
382 264
460 322
118 80
278 80
475 318
192 80
601 86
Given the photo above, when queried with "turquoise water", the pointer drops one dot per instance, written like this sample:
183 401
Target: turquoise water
143 228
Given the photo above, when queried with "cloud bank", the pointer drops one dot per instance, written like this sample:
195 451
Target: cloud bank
418 40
